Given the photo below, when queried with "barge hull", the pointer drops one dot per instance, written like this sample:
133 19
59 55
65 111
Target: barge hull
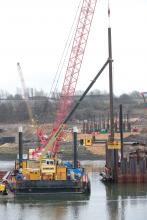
48 187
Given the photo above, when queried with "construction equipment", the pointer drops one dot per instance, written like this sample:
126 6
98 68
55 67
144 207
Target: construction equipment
56 135
47 157
72 73
25 95
48 174
48 167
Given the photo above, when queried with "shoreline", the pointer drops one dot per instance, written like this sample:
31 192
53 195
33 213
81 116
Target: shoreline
10 157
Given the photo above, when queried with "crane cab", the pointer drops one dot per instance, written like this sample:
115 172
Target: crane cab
48 168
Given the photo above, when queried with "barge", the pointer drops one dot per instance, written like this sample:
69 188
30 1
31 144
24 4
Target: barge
51 187
49 178
44 174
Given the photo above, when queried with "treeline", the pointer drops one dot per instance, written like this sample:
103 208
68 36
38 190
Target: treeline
14 108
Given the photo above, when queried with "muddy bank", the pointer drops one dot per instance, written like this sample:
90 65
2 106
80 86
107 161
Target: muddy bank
10 151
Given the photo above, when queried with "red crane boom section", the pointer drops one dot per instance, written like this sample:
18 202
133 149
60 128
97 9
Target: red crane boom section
73 69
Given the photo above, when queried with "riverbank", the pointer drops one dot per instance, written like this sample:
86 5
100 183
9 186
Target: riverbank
9 151
85 155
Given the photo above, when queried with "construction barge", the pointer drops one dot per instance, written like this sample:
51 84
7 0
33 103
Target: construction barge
49 179
51 187
34 187
44 174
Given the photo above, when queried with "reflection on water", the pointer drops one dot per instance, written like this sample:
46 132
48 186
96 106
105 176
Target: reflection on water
6 165
125 191
54 198
110 202
41 209
124 197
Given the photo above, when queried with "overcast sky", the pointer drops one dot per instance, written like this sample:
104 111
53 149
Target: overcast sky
34 33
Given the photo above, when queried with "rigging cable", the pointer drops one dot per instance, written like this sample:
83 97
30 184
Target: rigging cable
64 53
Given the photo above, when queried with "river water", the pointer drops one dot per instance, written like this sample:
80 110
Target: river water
112 202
